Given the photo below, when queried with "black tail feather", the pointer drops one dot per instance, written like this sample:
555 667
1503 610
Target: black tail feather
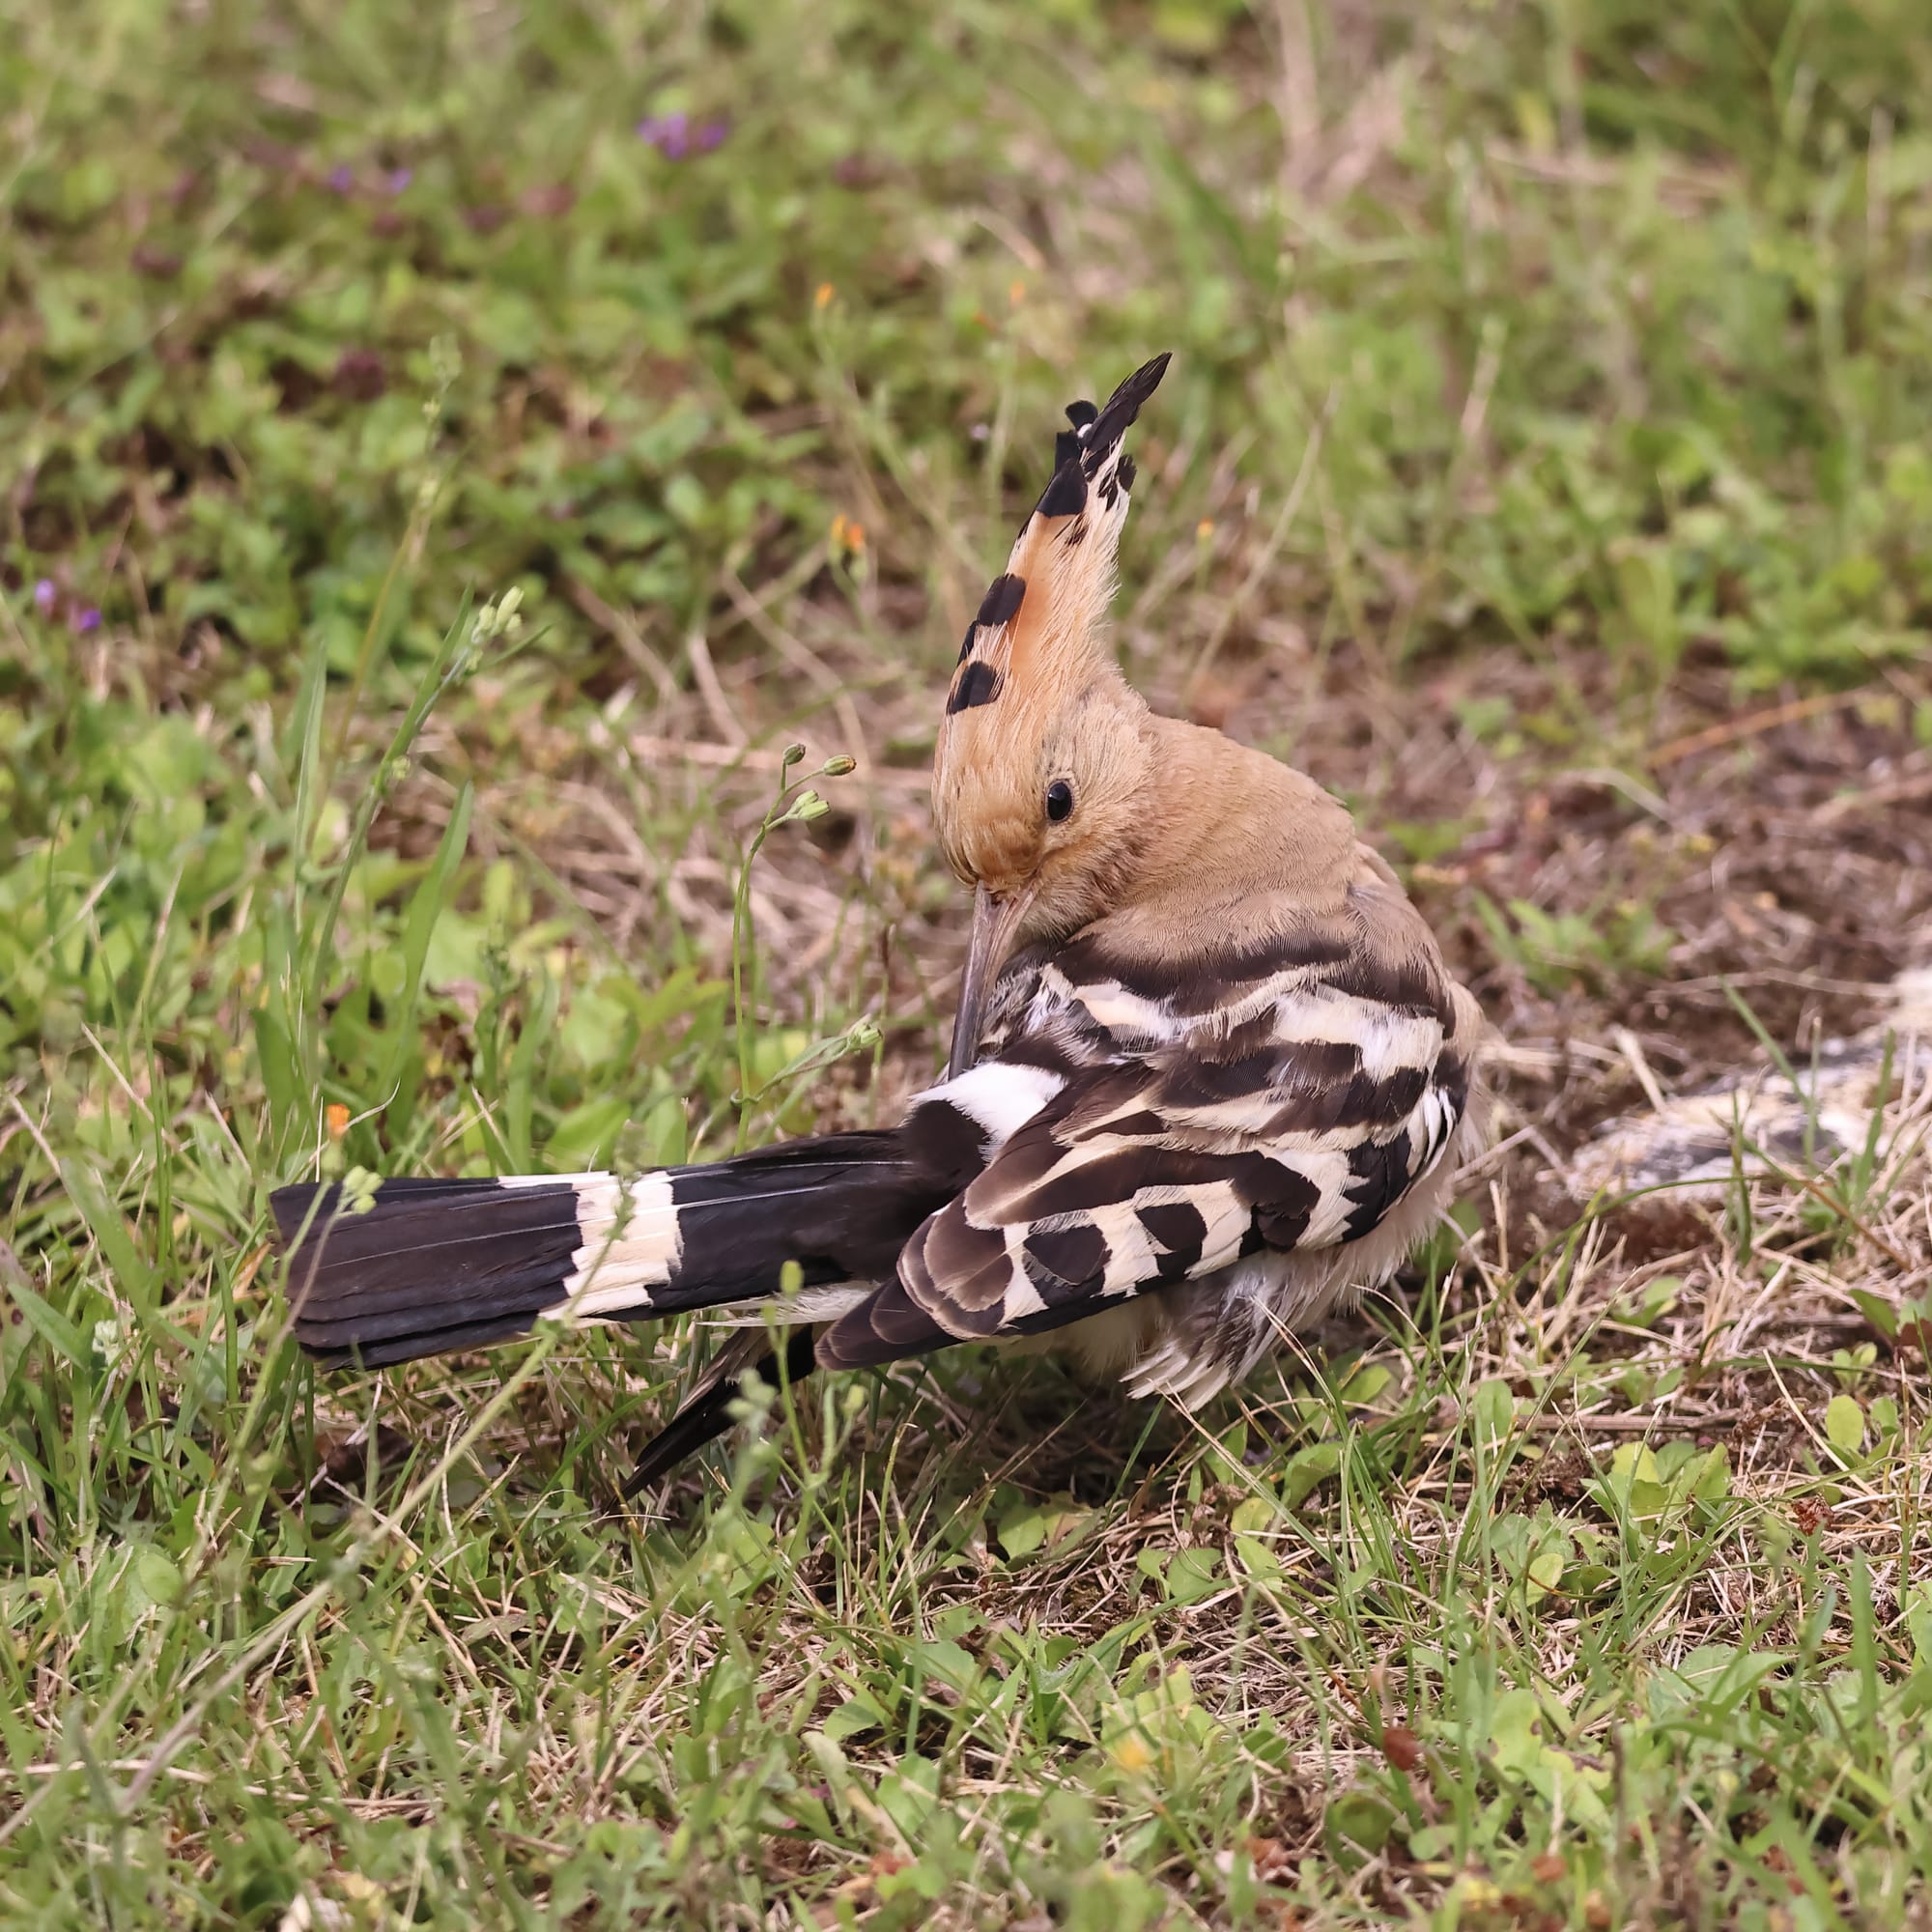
426 1268
708 1415
418 1267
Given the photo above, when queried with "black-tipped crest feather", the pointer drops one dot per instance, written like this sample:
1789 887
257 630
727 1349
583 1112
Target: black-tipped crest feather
1121 407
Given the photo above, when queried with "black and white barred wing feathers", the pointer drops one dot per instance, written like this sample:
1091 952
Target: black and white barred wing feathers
1173 1131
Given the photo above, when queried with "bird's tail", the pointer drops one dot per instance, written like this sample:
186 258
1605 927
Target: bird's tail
399 1268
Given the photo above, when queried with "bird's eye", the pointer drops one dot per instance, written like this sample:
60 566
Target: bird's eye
1059 801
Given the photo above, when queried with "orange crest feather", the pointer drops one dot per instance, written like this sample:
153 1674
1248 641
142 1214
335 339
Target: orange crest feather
1036 645
1039 623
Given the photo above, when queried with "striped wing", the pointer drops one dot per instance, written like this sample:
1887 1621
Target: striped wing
1287 1102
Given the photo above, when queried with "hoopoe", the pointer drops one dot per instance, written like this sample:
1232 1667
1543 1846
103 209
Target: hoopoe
1209 1074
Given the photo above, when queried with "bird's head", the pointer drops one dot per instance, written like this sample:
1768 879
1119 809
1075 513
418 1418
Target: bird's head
1043 754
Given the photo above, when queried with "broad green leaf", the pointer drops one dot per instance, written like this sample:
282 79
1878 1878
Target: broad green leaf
584 1135
1844 1425
1648 1500
1307 1470
281 1075
1510 1538
1366 1384
1360 1818
51 1324
1515 1727
152 1579
949 1663
1194 1575
853 1718
1587 1580
1635 1462
1023 1532
1878 1311
1226 1458
1041 1526
1545 1572
1712 1676
906 1798
131 1273
1711 1479
1492 1410
1259 1559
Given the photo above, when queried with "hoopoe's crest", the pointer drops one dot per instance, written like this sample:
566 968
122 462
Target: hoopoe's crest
1036 746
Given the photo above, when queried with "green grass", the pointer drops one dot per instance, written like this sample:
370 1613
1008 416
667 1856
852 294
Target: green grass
1541 368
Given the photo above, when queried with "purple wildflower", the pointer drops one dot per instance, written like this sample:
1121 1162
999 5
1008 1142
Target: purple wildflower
44 594
342 178
711 135
399 179
669 133
87 620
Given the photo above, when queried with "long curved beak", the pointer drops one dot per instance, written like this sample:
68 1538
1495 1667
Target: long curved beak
996 918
